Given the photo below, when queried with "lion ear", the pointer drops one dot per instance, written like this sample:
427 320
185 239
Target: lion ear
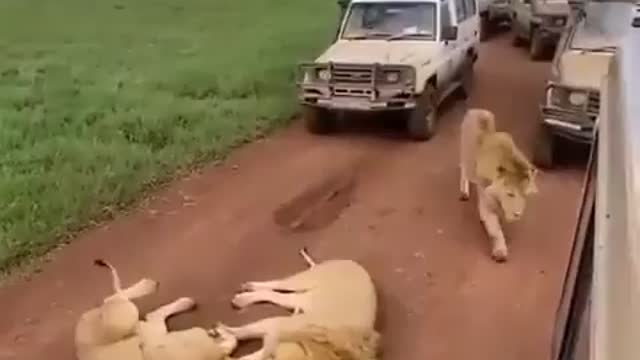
532 188
533 172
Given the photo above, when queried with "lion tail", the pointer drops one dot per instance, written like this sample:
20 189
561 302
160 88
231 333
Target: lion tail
117 285
307 258
485 120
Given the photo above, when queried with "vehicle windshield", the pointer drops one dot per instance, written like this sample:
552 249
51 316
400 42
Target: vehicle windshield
392 21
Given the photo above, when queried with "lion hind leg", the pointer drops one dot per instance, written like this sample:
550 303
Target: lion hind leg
293 301
284 285
158 318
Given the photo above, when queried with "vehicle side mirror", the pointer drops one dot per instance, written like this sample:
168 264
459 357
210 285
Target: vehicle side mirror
527 2
449 33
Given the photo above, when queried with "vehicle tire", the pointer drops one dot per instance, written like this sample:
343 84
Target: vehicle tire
536 46
517 41
466 79
545 148
421 124
318 120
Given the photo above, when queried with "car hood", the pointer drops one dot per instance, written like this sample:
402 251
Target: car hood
585 70
415 53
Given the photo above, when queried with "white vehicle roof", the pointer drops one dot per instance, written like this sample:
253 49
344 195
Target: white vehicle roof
392 1
606 23
615 308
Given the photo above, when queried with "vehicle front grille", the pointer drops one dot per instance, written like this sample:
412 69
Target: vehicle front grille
560 97
593 104
346 74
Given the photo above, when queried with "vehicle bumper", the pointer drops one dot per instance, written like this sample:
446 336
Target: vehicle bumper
572 125
343 103
498 12
355 99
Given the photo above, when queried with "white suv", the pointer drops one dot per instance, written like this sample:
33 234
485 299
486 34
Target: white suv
401 55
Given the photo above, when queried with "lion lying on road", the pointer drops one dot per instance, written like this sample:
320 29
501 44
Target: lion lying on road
334 306
501 173
113 331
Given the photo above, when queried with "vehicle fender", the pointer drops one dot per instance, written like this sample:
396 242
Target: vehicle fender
424 75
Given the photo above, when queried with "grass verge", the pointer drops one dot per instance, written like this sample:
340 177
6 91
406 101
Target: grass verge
98 100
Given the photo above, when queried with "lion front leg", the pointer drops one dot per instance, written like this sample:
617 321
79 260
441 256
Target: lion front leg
465 191
491 223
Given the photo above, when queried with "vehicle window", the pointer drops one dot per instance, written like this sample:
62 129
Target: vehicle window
382 20
470 5
445 15
461 10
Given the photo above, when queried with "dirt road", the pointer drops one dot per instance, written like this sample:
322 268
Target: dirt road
372 196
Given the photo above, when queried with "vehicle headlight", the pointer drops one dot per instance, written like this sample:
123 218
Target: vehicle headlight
555 20
307 77
567 98
324 74
392 76
577 98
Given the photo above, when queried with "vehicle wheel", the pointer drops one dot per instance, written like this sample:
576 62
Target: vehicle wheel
319 120
466 80
545 148
536 46
517 41
485 27
422 120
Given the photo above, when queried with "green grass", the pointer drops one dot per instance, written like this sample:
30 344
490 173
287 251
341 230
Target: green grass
100 99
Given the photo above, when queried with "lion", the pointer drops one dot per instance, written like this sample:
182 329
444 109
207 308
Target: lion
113 329
334 308
502 175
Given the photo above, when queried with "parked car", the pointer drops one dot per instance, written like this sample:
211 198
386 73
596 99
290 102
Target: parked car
492 14
538 23
572 99
392 55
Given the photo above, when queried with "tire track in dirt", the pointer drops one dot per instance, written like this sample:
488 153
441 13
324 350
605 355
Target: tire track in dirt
370 196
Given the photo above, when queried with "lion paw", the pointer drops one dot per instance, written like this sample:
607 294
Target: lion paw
186 303
464 196
248 286
242 300
221 331
499 254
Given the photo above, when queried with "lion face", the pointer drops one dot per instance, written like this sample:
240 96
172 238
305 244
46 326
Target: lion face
511 191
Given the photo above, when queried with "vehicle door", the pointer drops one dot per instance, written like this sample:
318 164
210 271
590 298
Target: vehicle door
470 25
461 16
464 11
447 66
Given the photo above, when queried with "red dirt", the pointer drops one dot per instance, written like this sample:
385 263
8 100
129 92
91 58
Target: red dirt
394 208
